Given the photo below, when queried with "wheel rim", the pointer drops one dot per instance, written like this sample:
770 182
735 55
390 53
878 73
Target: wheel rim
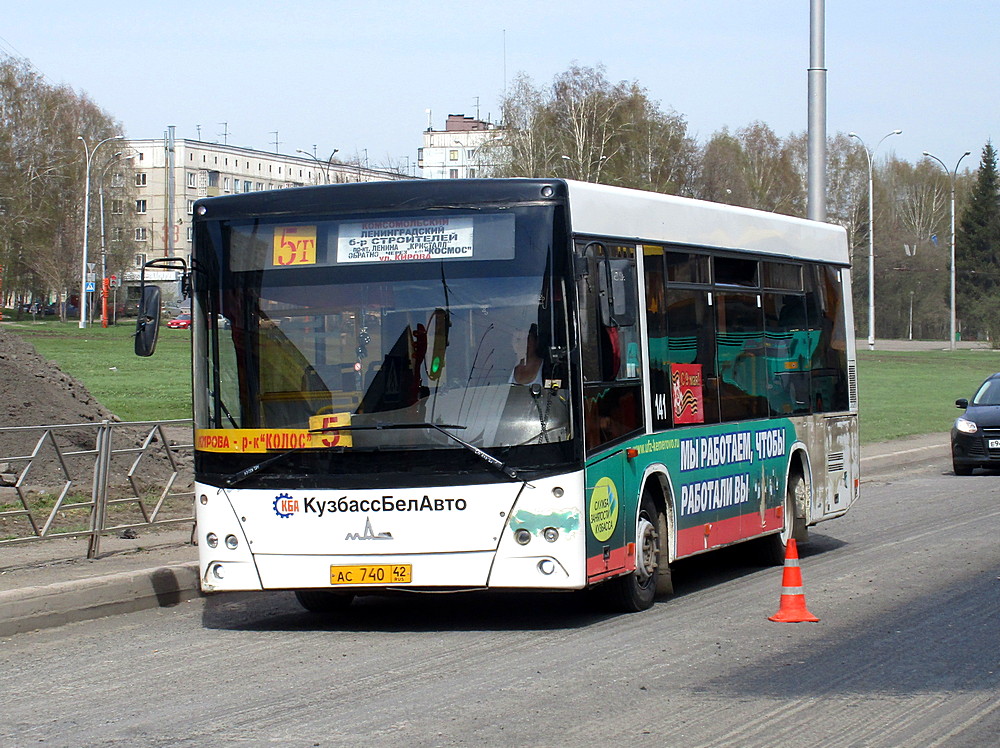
648 549
792 499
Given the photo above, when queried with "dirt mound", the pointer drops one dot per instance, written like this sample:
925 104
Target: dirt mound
34 391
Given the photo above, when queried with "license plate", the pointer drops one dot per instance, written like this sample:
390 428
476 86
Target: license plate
372 574
993 443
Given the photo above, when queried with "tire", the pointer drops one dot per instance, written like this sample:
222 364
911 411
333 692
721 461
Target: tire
324 601
772 548
962 469
637 591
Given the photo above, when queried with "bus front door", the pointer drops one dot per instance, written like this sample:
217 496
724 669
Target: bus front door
607 516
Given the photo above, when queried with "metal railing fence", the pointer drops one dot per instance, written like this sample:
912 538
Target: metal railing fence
91 479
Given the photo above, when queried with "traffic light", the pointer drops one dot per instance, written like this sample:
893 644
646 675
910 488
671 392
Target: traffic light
441 324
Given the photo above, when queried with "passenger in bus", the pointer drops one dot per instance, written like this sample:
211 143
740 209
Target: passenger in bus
528 369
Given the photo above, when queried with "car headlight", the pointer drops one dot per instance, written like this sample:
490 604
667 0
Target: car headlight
966 426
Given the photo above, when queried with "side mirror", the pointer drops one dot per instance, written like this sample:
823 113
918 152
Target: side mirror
618 289
147 326
962 403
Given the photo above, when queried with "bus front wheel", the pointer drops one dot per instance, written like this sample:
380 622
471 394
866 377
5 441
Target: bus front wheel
637 591
324 601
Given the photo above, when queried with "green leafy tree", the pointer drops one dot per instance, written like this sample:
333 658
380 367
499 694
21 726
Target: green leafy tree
977 251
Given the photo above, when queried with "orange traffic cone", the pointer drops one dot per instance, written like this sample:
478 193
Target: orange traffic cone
793 599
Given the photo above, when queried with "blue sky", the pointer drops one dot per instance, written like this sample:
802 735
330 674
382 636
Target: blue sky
360 76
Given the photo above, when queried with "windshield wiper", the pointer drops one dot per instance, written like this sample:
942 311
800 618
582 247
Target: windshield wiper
484 456
242 475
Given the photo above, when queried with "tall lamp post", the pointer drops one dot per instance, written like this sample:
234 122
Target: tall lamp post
117 158
871 232
953 174
86 220
325 165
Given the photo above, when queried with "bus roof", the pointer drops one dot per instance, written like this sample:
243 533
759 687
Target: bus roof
649 216
597 210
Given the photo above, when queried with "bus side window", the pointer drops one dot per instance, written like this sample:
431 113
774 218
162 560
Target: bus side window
691 340
742 378
789 354
825 307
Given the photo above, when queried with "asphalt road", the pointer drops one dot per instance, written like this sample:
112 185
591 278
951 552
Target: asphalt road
907 653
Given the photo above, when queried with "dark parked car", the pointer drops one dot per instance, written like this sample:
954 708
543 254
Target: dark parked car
975 436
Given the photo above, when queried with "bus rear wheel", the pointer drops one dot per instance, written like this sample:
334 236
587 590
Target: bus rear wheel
637 591
324 601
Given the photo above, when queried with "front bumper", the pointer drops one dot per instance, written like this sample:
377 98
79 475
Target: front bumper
974 450
498 536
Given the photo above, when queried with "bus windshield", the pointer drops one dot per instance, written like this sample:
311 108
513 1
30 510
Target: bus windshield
361 324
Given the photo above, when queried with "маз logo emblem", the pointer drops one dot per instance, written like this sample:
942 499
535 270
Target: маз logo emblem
369 534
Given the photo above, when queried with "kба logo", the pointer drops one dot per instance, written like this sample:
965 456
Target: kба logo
285 506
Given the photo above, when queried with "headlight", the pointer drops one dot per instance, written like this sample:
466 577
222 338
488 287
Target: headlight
966 426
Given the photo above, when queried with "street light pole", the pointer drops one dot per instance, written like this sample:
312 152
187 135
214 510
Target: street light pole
952 175
86 221
871 232
325 165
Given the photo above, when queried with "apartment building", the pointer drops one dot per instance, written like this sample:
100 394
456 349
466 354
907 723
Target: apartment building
168 181
463 150
170 174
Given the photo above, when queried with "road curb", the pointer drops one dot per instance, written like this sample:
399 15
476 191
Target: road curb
45 606
882 459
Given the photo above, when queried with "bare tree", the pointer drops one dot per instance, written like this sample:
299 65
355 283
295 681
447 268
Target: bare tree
527 146
720 177
586 128
42 167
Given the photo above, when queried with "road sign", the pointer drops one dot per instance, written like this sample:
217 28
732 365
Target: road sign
90 286
92 266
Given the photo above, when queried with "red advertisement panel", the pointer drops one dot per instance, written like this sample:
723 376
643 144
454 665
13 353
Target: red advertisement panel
685 391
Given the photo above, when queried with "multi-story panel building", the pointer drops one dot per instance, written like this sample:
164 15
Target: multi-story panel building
170 174
460 151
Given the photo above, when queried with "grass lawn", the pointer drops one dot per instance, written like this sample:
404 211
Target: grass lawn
134 388
902 393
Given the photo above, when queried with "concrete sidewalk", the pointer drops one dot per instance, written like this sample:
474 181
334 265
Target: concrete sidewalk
50 583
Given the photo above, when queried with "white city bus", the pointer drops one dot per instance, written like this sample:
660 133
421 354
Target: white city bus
509 384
